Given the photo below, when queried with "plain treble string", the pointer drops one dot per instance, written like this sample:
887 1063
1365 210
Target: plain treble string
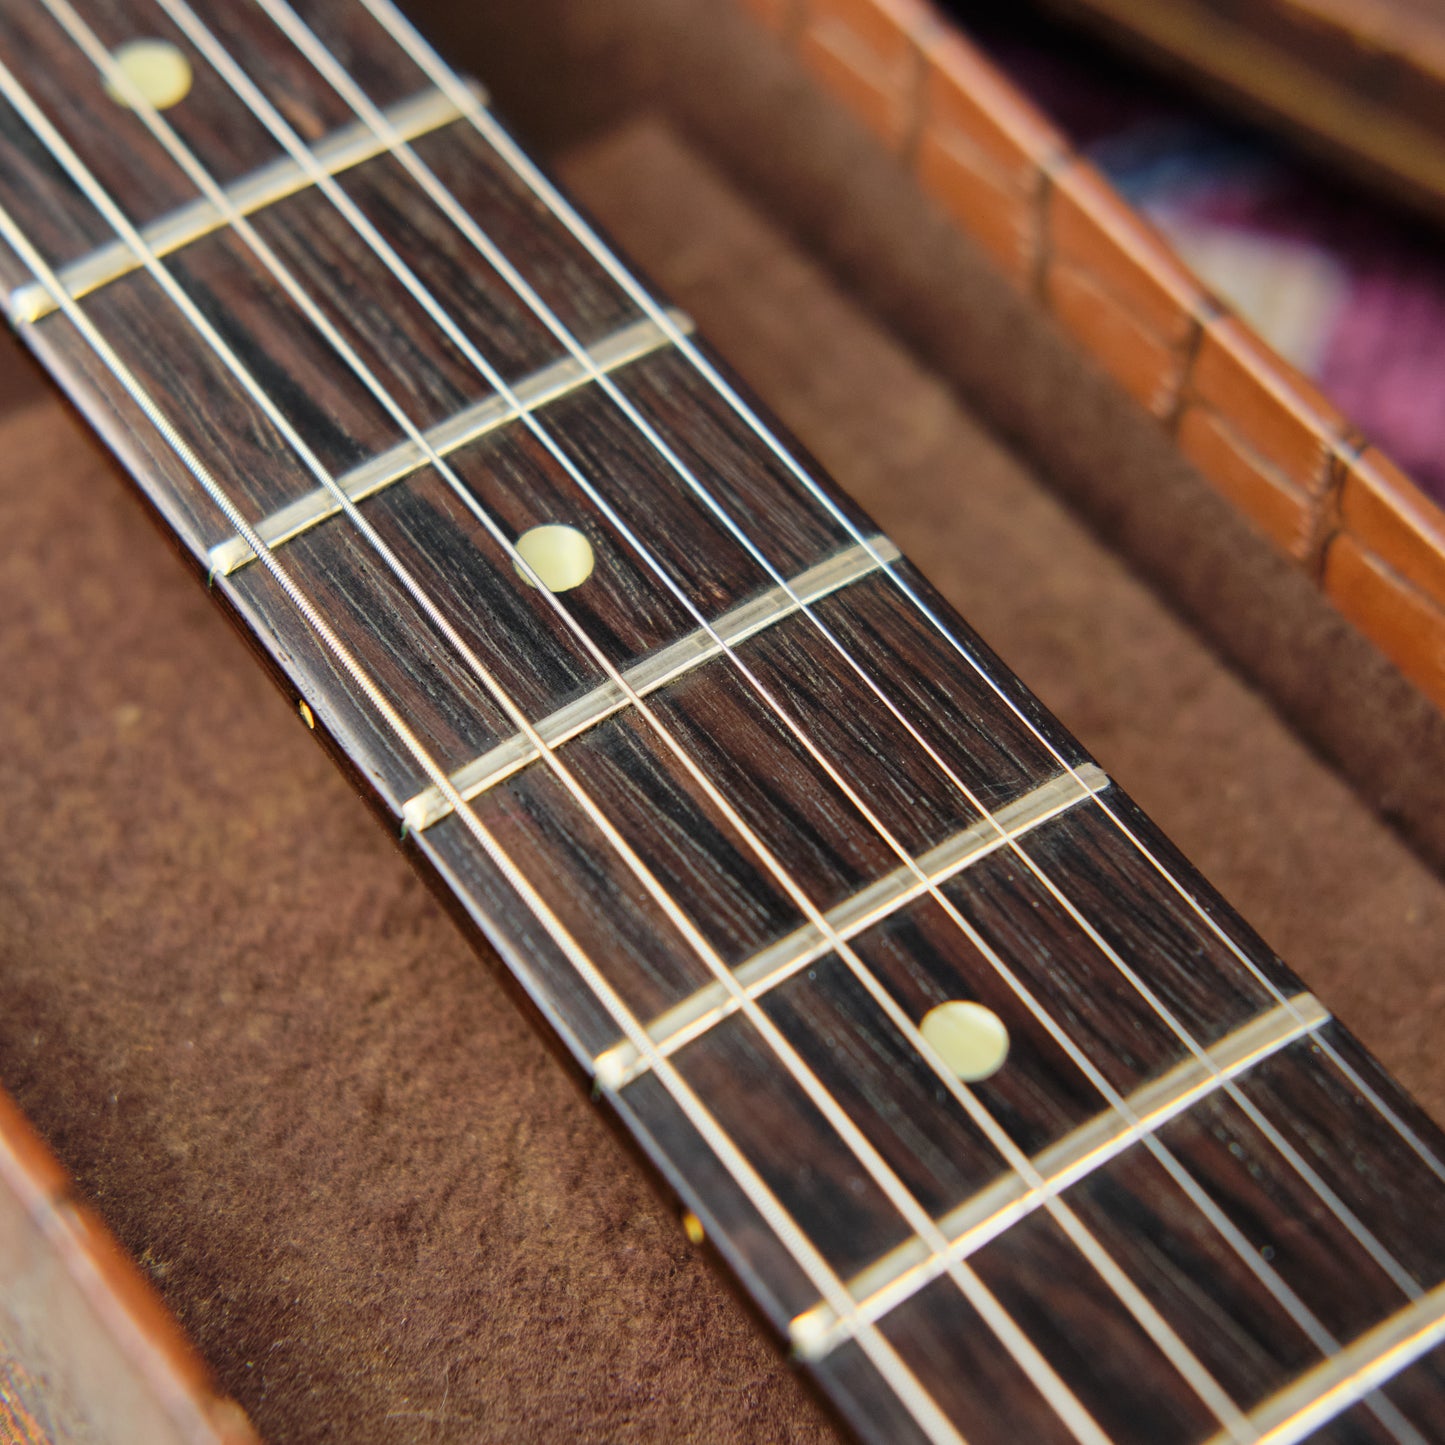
410 40
327 64
905 1385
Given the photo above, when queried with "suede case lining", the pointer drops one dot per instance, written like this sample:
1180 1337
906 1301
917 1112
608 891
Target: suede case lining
361 1181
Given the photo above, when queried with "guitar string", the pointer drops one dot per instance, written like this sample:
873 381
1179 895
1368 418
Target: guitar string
1125 1289
915 1216
1117 1280
327 65
915 1398
1273 1136
1015 1340
414 45
336 75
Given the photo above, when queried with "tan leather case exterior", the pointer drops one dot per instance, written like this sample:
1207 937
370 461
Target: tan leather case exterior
87 1350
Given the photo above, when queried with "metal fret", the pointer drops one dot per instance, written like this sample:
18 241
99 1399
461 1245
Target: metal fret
398 462
1363 1365
930 1419
590 954
619 1066
904 1271
665 666
429 111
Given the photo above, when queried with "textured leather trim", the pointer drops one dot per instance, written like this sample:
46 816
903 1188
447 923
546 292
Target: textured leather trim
85 1342
1257 429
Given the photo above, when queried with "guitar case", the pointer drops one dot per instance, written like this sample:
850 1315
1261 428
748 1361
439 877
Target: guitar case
317 1177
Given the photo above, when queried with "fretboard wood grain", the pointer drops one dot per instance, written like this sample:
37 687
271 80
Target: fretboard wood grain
1184 1209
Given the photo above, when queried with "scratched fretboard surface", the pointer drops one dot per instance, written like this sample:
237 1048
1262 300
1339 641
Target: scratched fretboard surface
742 806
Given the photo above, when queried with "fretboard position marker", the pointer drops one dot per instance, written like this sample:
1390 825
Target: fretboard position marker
560 556
655 671
968 1037
157 69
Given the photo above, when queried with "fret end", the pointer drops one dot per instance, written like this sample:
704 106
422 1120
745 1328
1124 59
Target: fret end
27 304
228 556
420 812
612 1070
812 1335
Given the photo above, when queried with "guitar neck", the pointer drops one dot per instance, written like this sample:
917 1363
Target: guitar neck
1010 1126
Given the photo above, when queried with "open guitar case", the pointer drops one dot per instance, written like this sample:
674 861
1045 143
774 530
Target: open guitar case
354 1197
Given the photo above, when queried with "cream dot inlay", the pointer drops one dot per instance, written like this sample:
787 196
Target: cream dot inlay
560 556
970 1038
157 69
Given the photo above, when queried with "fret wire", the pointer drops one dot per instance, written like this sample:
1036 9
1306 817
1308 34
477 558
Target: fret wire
1027 1356
413 44
1169 1343
1153 1324
537 389
1122 1285
881 1354
286 18
1326 1391
973 1288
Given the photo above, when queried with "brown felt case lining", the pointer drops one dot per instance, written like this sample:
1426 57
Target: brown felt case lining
366 1188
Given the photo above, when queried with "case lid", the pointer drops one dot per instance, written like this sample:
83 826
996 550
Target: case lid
1359 81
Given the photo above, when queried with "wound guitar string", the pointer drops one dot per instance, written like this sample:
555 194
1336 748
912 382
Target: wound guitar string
411 41
1014 1338
877 1349
1100 941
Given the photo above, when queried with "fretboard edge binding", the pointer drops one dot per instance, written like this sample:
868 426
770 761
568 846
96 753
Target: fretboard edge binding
907 1269
664 666
765 970
534 391
412 118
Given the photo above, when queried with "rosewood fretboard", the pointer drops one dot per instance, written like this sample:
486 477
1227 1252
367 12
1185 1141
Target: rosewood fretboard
741 804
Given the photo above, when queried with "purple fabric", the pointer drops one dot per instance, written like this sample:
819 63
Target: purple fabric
1377 276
